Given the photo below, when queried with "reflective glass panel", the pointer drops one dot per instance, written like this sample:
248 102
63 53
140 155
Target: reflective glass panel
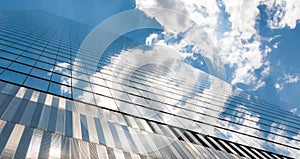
41 73
4 63
13 77
20 67
60 90
36 83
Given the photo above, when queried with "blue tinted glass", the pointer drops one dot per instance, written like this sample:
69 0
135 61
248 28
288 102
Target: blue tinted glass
84 130
36 83
41 73
49 51
36 115
23 45
31 55
1 70
81 84
47 59
63 55
35 51
25 140
5 42
2 47
56 77
14 50
99 131
20 46
62 71
60 58
4 63
5 133
26 61
60 90
44 65
53 115
68 126
61 79
20 67
8 55
13 77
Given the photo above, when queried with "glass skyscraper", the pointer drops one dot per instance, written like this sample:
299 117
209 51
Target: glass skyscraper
53 105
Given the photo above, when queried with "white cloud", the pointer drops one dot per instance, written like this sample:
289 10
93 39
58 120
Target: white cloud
294 110
288 78
259 84
285 80
278 86
275 46
285 13
151 38
240 46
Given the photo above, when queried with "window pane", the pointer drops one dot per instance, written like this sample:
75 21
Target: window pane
34 51
44 65
83 96
62 71
2 47
20 67
14 50
26 60
8 55
37 83
13 77
30 55
4 63
105 102
60 90
56 77
63 59
47 59
41 73
81 84
100 90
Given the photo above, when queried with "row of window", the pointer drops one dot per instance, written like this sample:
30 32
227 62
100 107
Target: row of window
29 27
25 142
48 74
43 42
81 95
83 126
105 132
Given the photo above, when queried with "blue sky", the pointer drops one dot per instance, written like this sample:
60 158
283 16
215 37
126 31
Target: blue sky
269 30
90 12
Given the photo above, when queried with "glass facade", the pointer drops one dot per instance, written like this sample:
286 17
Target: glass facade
54 105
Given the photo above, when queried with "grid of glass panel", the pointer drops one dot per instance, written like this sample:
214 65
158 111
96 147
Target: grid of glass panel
48 126
39 51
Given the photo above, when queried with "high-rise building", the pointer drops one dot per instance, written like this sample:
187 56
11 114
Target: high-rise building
52 105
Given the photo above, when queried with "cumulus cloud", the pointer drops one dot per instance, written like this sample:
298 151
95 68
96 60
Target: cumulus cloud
239 43
288 78
283 13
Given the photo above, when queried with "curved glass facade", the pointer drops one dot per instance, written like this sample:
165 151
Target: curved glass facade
54 105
